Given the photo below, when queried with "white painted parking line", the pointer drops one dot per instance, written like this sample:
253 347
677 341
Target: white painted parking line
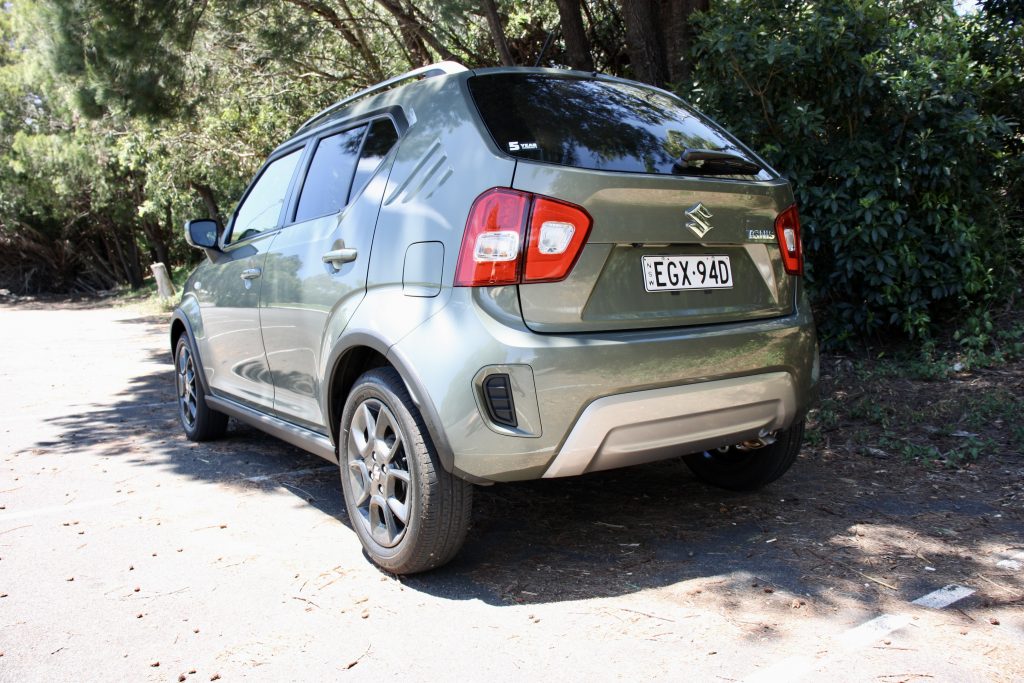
788 669
1013 562
944 597
873 630
796 668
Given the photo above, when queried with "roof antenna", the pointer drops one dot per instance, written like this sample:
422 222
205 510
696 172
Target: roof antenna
547 44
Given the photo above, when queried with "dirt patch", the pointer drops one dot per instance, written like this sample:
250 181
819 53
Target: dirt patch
897 411
237 555
904 485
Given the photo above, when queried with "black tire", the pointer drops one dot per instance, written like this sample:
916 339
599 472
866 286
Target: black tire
398 473
747 470
200 421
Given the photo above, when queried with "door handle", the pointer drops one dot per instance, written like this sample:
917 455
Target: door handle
340 256
251 273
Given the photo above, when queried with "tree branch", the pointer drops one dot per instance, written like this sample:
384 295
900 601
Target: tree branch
490 8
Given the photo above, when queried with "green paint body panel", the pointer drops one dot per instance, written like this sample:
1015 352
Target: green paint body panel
644 215
278 345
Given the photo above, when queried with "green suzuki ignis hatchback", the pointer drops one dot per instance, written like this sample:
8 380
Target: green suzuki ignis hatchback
461 277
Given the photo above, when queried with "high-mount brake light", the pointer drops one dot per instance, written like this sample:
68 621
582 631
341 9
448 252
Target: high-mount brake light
515 237
787 231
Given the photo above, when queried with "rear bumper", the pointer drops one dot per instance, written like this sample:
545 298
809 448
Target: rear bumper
644 426
595 401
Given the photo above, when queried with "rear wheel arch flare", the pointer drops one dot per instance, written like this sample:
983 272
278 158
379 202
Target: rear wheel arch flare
348 368
181 326
177 329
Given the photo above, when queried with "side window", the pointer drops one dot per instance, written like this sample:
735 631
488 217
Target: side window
381 138
330 173
261 208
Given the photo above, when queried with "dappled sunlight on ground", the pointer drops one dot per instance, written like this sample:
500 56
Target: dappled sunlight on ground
616 564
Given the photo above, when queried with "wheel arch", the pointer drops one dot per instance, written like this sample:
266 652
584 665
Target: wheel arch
364 352
181 325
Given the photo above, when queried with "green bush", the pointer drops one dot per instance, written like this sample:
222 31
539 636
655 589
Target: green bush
880 114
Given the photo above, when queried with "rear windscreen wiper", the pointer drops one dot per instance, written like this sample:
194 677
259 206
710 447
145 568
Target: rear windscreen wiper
713 162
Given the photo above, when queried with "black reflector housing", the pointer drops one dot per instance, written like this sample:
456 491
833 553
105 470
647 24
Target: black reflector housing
498 397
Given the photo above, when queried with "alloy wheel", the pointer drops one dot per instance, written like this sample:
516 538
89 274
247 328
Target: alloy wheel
379 473
186 381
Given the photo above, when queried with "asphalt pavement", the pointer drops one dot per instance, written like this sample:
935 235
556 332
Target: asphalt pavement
128 553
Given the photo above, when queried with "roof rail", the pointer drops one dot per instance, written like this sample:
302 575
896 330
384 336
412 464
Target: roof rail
438 69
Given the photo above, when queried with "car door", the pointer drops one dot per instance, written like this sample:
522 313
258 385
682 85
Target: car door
315 275
234 358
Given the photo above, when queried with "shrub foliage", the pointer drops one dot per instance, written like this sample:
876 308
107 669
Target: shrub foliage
892 125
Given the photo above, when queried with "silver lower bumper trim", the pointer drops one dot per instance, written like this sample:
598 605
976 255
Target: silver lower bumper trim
644 426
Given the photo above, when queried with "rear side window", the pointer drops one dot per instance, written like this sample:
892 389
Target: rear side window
379 141
586 123
261 208
330 175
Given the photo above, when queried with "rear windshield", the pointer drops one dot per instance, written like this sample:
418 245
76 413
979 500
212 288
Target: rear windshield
608 126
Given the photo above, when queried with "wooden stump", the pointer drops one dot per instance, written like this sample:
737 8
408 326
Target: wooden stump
164 286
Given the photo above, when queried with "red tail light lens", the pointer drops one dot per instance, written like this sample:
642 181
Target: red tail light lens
501 221
557 234
491 244
787 231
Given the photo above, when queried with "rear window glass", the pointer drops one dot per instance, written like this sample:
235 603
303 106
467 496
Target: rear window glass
330 173
379 141
585 123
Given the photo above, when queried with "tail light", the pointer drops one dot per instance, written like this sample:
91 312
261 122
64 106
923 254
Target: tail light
787 231
515 237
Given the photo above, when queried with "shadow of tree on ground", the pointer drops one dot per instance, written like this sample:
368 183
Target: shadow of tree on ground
838 529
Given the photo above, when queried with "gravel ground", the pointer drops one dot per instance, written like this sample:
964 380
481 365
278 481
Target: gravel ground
127 552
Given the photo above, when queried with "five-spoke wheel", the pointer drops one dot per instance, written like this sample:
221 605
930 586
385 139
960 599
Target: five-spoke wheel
378 472
186 382
200 422
409 513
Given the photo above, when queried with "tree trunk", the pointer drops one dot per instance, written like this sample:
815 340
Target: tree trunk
135 276
100 269
408 21
645 41
206 194
356 40
168 231
679 35
417 53
577 47
156 240
490 8
114 245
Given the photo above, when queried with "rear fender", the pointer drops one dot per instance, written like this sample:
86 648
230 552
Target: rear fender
373 339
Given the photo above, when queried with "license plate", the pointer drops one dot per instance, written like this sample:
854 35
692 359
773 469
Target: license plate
672 273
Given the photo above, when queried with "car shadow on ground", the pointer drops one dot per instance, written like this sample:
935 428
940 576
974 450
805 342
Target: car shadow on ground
837 530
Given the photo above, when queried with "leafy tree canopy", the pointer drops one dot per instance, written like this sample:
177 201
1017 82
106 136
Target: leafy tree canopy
896 120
